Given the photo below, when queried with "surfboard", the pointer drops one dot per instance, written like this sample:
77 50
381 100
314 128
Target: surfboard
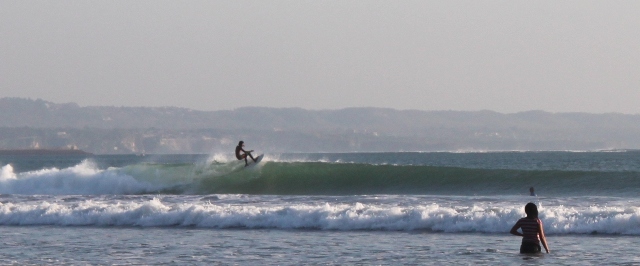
258 159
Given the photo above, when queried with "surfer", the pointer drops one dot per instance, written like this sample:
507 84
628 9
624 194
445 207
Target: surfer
532 192
532 231
242 154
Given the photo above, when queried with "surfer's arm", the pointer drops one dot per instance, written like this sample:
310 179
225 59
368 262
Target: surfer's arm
543 239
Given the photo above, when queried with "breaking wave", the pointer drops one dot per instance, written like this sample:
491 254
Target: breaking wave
311 178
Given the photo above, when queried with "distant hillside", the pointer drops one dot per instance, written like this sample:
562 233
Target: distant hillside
26 123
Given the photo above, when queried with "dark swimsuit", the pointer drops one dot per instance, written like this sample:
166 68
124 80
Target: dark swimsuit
528 247
238 155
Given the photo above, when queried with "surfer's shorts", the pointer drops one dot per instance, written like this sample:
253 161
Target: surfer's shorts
530 248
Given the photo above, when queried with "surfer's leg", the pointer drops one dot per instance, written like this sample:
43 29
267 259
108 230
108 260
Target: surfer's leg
254 159
246 163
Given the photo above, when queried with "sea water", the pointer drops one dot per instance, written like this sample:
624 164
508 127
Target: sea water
330 209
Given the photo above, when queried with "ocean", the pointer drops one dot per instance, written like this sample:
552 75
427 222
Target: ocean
409 208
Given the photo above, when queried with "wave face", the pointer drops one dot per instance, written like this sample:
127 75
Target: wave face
360 179
311 178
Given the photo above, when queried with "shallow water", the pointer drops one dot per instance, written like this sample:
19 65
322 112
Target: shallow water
191 246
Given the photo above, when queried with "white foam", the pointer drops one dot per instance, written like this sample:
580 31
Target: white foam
175 211
84 178
7 173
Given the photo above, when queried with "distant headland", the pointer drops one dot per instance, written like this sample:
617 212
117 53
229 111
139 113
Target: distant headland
44 152
37 124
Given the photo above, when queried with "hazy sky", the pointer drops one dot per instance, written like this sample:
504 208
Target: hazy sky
506 56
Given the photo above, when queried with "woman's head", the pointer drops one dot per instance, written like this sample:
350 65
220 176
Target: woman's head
531 210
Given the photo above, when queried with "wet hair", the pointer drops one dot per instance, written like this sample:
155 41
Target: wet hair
531 210
240 143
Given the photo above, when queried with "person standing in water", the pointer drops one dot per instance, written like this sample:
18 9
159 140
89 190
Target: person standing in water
532 231
532 192
242 154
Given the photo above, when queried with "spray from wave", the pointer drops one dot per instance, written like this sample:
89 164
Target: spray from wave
83 178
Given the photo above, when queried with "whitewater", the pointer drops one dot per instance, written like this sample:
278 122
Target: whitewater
467 201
